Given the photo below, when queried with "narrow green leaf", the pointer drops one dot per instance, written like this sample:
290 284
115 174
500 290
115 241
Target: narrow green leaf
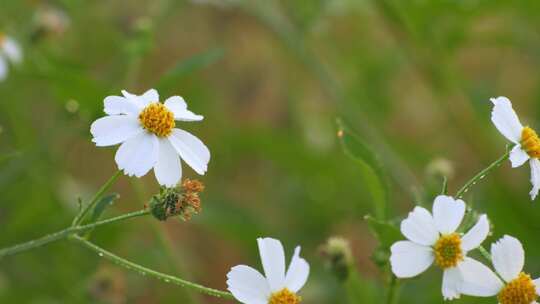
384 230
189 65
99 208
369 165
102 204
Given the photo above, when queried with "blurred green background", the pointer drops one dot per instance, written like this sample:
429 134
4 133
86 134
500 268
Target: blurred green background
411 78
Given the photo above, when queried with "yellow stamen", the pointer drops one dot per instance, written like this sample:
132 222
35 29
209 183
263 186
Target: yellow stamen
530 142
157 119
520 291
448 251
284 296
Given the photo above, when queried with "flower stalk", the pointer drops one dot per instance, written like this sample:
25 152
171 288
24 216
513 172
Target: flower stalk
482 174
147 271
63 234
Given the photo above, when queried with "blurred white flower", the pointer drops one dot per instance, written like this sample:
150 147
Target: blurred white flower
527 146
279 286
145 128
508 259
51 20
433 238
10 52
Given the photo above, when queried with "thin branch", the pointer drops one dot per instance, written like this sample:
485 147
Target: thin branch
147 271
482 174
62 234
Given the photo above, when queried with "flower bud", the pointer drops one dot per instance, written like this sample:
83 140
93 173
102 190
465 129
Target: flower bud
183 201
338 255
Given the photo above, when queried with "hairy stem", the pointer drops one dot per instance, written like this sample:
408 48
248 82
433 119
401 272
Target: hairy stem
147 271
62 234
482 174
80 217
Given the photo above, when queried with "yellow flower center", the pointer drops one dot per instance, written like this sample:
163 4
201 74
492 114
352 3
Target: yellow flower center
157 119
448 251
284 296
530 142
520 291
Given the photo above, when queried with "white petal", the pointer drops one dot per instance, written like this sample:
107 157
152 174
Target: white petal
191 150
138 155
505 119
247 285
114 105
178 106
273 261
451 283
537 285
3 69
508 257
112 130
476 235
167 169
419 227
448 213
518 157
478 280
535 177
12 50
409 259
298 272
144 99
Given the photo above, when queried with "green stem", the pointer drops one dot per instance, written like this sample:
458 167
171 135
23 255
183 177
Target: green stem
80 217
484 253
62 234
36 243
146 271
391 296
482 174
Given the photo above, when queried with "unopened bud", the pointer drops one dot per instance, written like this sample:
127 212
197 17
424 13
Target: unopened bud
440 167
338 255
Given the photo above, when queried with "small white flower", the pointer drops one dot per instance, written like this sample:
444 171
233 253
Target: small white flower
527 146
279 286
9 52
433 238
508 259
145 128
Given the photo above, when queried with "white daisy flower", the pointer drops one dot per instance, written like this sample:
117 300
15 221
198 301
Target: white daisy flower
279 286
516 287
145 128
433 239
9 52
527 146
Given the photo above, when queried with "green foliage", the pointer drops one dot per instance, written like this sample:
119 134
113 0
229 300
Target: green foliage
101 205
412 78
374 178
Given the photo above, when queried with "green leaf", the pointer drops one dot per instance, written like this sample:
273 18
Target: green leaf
100 207
102 204
185 67
372 171
386 232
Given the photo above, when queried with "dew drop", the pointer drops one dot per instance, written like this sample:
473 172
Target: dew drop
100 254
